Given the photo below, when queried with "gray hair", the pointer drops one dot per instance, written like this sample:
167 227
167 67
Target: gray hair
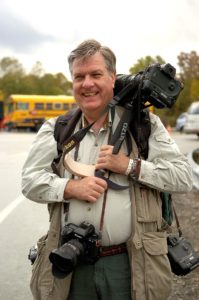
89 48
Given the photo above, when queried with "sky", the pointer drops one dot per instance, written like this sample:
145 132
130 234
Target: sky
48 30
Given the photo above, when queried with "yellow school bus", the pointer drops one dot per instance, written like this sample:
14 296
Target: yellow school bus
30 111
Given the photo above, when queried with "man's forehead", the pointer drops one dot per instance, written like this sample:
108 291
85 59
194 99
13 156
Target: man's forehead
96 59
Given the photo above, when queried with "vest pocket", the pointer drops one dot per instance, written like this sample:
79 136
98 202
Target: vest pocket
42 280
148 205
39 268
156 266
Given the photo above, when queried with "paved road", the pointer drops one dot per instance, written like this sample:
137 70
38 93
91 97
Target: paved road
23 221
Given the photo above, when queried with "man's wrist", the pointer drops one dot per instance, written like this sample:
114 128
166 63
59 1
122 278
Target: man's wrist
135 168
69 188
128 170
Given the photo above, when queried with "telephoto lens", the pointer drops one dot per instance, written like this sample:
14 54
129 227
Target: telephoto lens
65 258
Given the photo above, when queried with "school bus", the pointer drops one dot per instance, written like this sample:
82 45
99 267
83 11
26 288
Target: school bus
31 111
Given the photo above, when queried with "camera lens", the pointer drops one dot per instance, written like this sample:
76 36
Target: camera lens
65 258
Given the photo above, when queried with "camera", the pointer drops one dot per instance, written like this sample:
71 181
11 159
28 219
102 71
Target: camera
78 243
156 84
183 258
33 254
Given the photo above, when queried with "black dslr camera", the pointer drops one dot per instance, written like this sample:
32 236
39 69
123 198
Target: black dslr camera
183 258
156 85
78 243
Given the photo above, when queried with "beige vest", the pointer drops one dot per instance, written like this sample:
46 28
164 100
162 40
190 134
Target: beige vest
151 272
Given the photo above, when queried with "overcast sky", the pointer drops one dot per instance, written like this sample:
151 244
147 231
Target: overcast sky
47 30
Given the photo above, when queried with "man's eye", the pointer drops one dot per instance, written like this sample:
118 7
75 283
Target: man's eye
97 75
78 77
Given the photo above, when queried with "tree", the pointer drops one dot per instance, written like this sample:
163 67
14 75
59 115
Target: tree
37 69
189 65
9 65
64 84
194 90
144 62
189 74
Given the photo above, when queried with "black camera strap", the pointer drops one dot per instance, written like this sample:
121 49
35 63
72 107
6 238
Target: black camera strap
121 131
177 221
75 139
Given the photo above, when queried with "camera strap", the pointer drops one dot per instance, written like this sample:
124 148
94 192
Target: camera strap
80 169
102 218
177 221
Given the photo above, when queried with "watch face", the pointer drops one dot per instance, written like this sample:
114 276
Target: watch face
135 169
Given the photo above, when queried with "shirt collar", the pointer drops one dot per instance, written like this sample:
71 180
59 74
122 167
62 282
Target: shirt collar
107 124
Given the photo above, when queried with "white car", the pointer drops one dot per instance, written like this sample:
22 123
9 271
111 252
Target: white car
192 122
193 158
180 121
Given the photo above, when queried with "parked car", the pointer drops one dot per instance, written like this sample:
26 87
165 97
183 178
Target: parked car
193 158
192 122
180 121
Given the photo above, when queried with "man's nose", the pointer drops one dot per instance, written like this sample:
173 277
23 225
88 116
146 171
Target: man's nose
88 81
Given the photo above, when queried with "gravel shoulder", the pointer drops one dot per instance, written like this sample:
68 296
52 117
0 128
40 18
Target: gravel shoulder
187 208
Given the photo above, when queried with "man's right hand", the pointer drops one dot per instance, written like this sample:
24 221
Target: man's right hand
88 188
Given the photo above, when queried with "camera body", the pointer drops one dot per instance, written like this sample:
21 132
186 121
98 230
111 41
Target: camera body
32 255
160 86
86 235
78 243
157 84
183 258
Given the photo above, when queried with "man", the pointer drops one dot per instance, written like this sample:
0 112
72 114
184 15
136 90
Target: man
132 216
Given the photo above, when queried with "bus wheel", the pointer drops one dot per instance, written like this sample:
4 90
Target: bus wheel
37 127
8 127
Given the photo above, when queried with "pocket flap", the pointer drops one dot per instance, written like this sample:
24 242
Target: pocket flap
155 243
163 138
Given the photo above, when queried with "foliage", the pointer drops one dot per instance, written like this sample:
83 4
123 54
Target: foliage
14 80
9 65
189 75
189 65
144 62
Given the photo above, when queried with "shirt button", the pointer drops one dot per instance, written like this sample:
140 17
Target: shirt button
89 209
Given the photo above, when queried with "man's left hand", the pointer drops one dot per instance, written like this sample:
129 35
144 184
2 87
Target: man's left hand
116 163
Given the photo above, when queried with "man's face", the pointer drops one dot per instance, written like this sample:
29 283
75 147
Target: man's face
92 84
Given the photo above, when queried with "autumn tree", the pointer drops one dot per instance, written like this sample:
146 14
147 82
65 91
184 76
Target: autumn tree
189 65
144 62
189 74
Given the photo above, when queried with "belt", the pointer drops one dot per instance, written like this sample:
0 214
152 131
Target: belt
113 250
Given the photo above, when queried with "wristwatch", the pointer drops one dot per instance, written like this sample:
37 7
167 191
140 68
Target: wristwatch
135 169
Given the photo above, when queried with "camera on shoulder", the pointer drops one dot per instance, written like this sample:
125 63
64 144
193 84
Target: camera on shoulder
157 85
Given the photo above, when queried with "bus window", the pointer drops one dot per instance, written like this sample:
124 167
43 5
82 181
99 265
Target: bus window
49 106
22 106
65 106
10 107
74 105
39 106
58 106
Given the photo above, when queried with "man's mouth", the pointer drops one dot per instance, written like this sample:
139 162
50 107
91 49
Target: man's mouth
90 94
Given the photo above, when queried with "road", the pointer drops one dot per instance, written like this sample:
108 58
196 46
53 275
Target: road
22 222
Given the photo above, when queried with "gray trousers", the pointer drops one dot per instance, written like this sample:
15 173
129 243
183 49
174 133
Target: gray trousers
108 279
